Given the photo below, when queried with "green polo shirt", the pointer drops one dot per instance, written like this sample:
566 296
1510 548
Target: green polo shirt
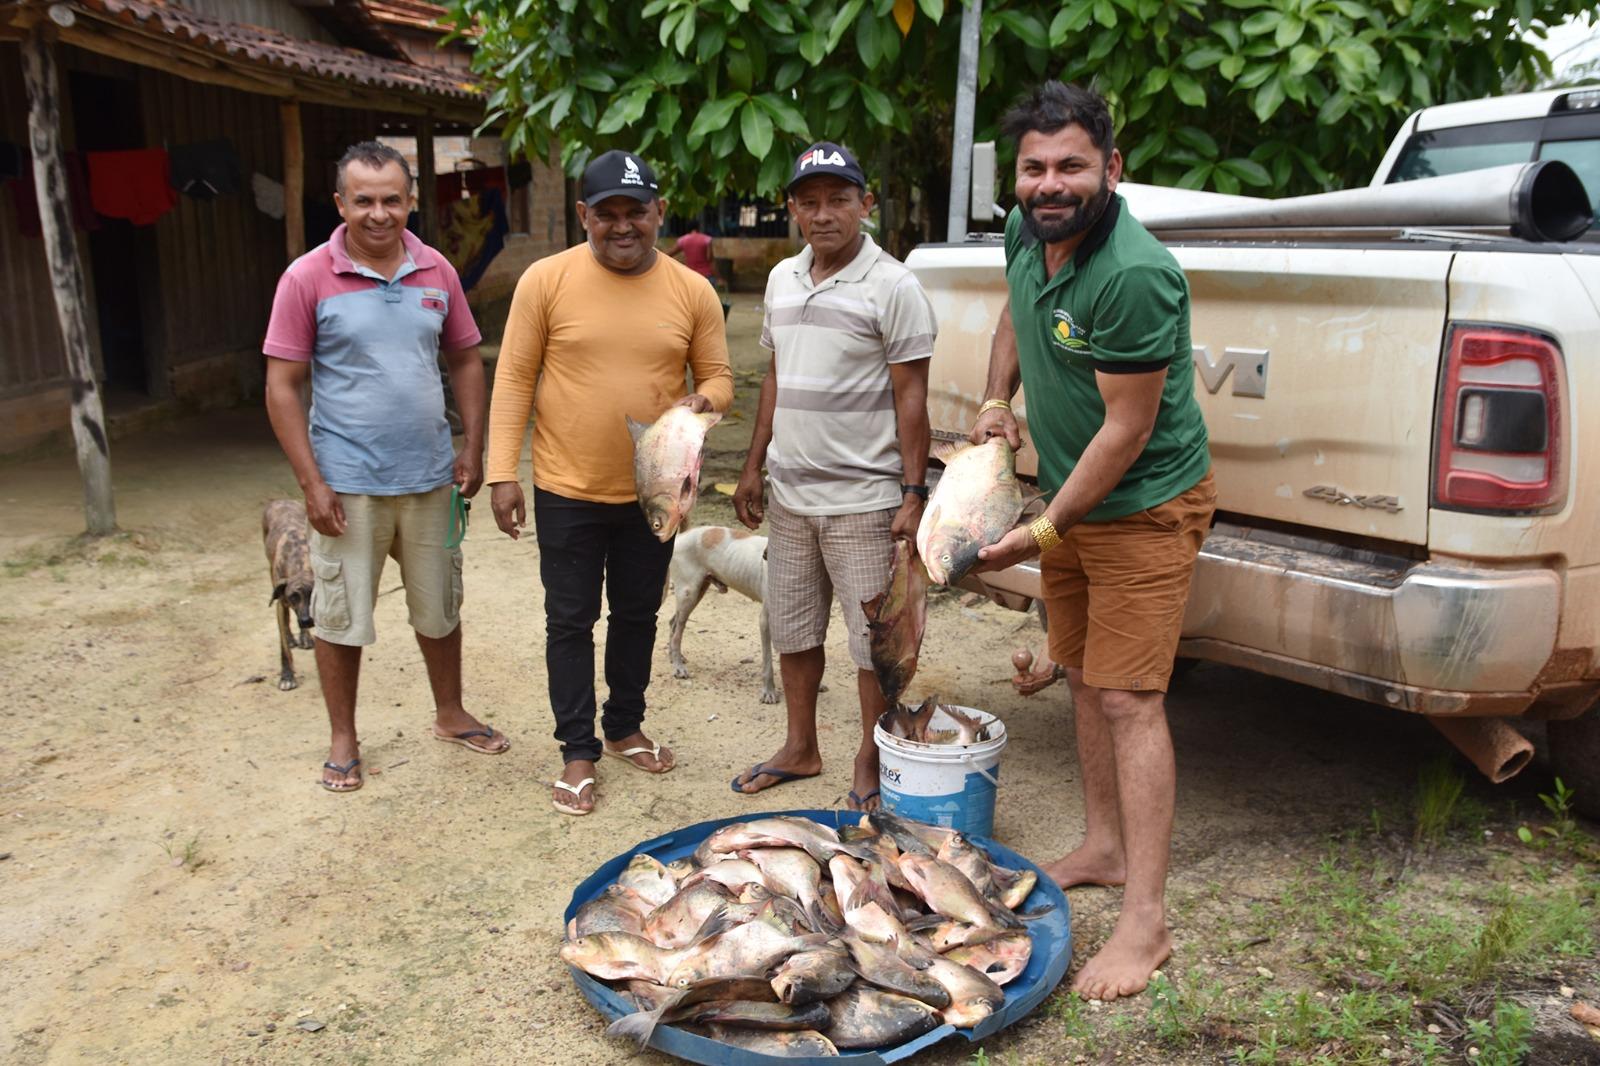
1120 305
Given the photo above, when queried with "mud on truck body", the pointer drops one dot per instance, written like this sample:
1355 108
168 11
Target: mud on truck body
1402 389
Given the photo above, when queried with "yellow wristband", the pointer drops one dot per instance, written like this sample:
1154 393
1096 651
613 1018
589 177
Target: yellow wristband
990 405
1044 534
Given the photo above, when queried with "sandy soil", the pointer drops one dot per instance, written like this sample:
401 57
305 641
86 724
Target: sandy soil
177 888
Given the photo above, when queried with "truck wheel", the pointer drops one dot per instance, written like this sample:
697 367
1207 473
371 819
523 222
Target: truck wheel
1575 757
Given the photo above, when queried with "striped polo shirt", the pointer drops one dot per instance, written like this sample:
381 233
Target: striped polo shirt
834 449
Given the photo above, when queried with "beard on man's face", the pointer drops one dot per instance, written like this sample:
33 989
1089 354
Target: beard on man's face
1087 214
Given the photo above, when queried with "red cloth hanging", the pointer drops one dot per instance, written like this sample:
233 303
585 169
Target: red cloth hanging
132 185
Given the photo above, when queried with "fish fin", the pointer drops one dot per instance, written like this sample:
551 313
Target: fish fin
926 921
980 728
641 1025
946 450
873 608
1034 916
708 419
636 429
687 489
716 923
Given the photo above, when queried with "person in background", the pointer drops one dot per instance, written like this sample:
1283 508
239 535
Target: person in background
693 250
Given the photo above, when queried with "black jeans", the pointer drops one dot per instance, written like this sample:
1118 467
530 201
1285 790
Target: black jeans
583 545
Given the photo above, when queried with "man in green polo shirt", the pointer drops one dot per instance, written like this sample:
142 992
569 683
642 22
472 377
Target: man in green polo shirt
1097 330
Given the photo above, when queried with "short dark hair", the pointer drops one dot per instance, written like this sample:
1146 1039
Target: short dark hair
374 154
1054 106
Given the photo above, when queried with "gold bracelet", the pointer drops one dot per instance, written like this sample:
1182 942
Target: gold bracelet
990 405
1044 533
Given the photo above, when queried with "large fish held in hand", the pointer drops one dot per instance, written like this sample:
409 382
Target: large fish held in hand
977 501
896 619
666 466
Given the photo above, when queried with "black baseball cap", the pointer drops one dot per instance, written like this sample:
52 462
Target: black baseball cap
827 158
618 173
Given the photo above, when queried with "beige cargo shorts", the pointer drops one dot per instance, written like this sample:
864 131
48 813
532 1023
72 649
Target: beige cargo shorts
412 529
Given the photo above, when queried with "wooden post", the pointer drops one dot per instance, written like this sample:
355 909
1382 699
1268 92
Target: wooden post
294 180
427 185
66 279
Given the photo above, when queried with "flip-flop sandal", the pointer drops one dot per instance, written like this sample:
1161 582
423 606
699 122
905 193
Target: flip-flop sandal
861 801
627 754
577 791
361 779
761 770
464 739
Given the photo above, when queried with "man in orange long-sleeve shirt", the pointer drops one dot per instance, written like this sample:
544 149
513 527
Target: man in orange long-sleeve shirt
596 333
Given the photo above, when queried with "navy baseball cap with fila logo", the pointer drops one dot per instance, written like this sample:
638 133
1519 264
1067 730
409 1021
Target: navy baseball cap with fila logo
827 158
618 173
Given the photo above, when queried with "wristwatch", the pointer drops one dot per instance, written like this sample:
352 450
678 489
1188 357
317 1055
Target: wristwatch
915 490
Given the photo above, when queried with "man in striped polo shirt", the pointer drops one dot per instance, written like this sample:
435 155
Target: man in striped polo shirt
843 430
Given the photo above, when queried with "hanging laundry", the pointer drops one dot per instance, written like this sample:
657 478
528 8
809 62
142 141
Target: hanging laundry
25 201
132 185
269 195
206 170
472 232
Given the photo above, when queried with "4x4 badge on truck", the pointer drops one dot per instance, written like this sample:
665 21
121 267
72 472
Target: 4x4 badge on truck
1248 366
1333 494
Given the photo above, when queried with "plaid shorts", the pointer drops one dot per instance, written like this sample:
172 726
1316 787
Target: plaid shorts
812 557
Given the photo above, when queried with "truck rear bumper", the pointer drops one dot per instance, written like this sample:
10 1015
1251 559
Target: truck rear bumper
1422 637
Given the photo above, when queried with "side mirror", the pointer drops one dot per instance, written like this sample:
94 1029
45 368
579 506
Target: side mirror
984 207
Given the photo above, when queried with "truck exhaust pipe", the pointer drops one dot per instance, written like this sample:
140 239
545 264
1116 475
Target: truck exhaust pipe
1539 201
1491 745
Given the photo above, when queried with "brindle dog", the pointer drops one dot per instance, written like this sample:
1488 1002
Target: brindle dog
287 535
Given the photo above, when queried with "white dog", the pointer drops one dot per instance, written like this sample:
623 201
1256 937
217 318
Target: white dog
721 558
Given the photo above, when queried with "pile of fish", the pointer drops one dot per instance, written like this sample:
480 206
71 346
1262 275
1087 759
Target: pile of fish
666 466
917 725
783 937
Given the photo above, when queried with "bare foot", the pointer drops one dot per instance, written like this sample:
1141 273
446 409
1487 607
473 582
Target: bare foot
655 764
574 772
1124 964
784 766
1085 867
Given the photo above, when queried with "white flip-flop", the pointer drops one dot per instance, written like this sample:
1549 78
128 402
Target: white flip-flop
627 754
577 791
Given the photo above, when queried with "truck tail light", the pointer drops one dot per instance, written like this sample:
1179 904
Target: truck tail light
1501 423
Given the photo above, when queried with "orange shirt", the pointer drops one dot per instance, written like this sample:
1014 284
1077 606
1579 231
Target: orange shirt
585 346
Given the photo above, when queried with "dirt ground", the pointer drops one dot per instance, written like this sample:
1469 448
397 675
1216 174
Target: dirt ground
177 888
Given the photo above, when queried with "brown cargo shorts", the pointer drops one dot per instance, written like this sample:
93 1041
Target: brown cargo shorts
1115 592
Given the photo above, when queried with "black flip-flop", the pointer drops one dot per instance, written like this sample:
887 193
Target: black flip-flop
345 770
760 770
861 801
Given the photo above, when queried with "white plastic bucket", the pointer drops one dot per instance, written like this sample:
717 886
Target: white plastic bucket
943 784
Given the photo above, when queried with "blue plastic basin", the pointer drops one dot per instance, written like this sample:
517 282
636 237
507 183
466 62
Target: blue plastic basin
1052 952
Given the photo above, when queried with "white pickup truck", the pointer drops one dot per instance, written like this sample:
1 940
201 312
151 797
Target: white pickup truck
1402 389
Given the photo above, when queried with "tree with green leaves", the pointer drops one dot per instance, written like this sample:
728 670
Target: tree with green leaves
1273 97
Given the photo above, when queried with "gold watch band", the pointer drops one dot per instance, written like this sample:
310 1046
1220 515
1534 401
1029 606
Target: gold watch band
1044 533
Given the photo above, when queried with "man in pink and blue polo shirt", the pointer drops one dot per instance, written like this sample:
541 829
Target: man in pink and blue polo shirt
363 318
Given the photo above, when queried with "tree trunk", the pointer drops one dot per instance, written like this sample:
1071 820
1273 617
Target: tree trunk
427 185
66 279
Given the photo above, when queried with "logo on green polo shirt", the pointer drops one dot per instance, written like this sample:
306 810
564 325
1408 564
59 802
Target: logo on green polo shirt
1067 334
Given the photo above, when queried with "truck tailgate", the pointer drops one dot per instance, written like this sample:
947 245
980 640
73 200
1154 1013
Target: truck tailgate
1316 368
1342 343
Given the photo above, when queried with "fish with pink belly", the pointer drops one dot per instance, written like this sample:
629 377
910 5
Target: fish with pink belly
976 502
666 466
